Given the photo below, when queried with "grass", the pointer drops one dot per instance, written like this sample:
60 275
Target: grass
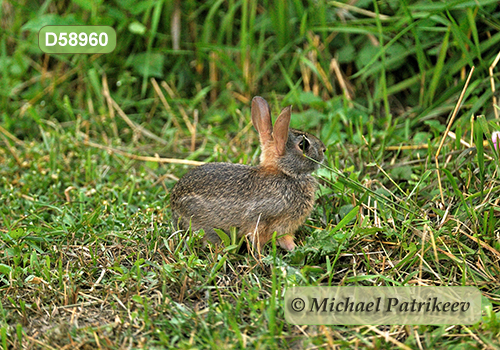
90 147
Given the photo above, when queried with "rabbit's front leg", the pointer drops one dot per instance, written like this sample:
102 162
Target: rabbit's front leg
286 242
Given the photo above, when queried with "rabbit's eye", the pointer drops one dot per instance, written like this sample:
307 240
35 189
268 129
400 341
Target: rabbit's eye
304 144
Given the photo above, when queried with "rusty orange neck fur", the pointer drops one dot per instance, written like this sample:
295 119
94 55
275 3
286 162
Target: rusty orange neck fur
269 158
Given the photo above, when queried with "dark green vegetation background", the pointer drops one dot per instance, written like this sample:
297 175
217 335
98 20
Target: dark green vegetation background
88 255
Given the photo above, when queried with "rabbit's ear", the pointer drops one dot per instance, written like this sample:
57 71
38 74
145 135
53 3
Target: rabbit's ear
261 119
280 133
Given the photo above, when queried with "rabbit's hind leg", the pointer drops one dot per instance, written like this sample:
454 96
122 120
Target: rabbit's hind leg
210 235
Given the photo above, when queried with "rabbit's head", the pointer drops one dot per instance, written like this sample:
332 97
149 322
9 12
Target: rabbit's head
286 150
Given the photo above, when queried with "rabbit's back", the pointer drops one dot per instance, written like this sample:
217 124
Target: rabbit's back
225 195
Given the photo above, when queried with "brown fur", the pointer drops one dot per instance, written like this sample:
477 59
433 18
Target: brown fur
275 196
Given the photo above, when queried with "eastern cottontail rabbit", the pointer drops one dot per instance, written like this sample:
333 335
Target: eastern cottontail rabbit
276 195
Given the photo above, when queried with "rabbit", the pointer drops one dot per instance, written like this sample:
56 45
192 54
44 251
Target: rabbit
277 195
